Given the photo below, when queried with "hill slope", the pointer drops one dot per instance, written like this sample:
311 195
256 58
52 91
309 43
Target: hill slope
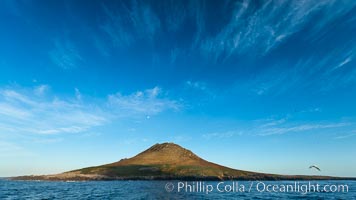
165 161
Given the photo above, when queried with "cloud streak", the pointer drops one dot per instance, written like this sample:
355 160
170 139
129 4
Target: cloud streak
36 111
264 27
284 126
299 128
346 136
269 127
248 29
147 102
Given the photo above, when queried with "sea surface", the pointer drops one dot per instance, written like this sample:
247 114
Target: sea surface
177 190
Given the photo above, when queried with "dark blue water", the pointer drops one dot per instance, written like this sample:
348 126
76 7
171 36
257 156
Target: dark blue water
177 190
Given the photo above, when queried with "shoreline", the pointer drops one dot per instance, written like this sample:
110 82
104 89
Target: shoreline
53 179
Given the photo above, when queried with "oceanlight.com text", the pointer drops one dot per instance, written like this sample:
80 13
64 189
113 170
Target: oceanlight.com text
254 186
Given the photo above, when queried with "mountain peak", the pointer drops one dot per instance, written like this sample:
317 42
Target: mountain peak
165 146
168 153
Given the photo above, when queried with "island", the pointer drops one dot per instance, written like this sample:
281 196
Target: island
167 161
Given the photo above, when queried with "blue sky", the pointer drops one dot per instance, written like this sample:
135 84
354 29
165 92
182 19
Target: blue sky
265 86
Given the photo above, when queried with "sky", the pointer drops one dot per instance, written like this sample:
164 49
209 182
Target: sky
266 86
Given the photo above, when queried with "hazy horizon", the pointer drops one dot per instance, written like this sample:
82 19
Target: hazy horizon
266 87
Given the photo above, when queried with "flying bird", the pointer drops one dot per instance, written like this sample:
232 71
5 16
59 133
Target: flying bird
314 166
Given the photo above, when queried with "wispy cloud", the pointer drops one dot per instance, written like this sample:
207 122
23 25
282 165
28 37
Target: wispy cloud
25 110
130 22
323 73
41 90
300 128
147 102
352 134
36 111
264 27
285 126
78 95
272 122
344 62
204 88
332 70
115 29
65 55
197 85
221 135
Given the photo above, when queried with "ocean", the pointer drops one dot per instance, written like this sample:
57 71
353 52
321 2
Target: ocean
178 190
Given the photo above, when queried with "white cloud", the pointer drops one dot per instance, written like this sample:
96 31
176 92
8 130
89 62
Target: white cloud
344 62
78 95
32 111
13 112
272 122
196 85
41 89
148 102
203 87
